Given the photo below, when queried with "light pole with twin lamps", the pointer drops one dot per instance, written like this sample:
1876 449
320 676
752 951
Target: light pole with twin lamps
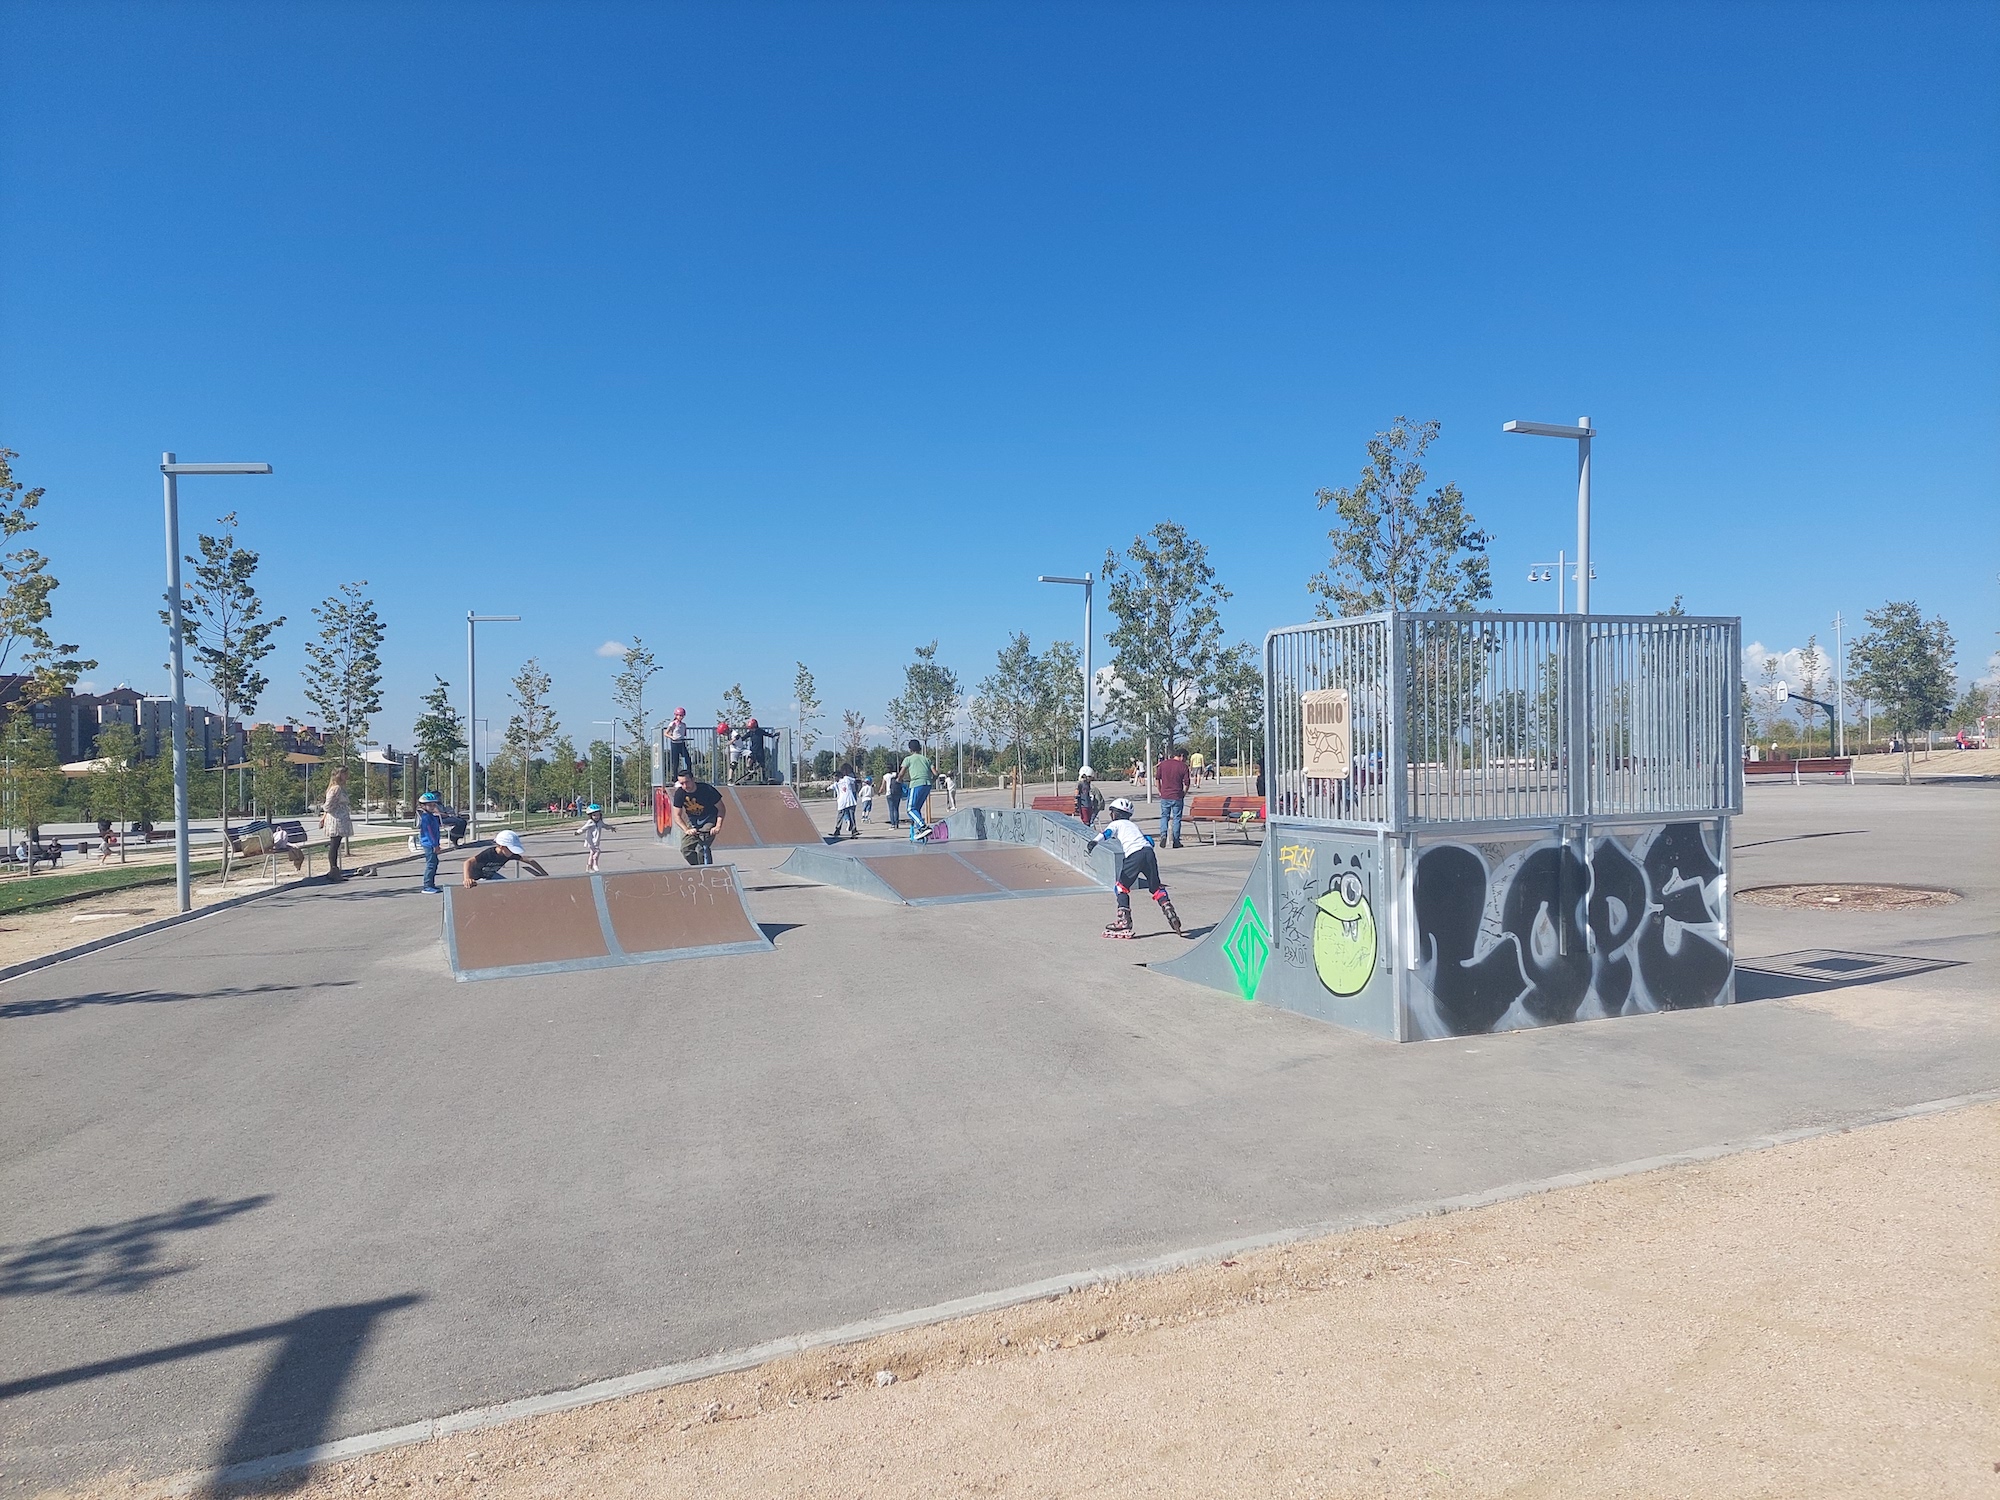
1582 433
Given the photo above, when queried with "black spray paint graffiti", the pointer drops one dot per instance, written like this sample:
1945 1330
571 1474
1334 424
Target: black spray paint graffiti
1637 930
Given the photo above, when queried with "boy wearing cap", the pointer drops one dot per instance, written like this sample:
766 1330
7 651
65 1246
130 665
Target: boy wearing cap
490 863
430 838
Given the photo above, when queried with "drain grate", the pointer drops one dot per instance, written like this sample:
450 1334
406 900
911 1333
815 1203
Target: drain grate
1829 966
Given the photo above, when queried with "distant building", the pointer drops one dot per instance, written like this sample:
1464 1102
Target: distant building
73 720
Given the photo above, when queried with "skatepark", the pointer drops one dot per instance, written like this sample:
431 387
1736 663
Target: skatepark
279 1180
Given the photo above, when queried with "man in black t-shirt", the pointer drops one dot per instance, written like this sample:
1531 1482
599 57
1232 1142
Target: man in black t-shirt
699 814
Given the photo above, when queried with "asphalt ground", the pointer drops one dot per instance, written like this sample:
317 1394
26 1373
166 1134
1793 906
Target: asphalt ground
273 1178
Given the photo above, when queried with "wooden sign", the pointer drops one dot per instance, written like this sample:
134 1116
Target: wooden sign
1329 742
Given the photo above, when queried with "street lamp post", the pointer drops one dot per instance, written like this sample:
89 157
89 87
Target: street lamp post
172 470
1083 583
1582 433
472 718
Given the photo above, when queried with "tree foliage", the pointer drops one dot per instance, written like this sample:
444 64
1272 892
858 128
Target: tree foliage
1010 697
1907 667
735 705
25 609
1812 661
533 723
805 693
925 708
1167 644
1239 696
440 729
343 672
116 785
223 630
853 735
1396 547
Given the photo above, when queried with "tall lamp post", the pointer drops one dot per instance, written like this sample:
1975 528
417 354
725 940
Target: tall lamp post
472 717
1582 433
172 470
1083 583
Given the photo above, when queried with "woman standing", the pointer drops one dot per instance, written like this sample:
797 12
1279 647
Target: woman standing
337 818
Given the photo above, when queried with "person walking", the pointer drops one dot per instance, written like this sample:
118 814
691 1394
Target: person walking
1137 864
1088 804
430 839
950 785
336 818
865 788
916 773
1171 777
677 744
844 800
892 788
592 834
699 814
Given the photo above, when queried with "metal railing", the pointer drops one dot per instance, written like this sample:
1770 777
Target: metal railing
1494 719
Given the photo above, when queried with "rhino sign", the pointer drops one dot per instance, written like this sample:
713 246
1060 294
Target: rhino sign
1329 747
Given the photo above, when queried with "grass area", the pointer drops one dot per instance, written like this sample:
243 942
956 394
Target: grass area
24 894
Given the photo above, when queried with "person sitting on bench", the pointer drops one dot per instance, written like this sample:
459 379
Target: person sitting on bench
488 864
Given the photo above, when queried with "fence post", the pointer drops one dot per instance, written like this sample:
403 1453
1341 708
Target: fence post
1577 718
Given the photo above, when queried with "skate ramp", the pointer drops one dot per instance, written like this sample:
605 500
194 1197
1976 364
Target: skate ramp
505 929
960 863
757 817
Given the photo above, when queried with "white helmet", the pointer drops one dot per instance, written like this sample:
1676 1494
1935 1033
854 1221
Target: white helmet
510 841
1121 807
1085 771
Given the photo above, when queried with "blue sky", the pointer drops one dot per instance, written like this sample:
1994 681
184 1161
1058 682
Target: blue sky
815 332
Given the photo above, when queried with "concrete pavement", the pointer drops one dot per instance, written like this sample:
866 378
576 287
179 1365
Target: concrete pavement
274 1178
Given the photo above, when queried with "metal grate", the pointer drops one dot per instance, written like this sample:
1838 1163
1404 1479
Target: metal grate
1495 719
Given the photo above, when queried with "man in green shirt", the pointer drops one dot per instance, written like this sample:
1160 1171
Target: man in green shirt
916 774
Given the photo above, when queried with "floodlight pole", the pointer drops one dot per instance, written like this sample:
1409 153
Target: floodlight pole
472 719
1085 584
1582 432
171 471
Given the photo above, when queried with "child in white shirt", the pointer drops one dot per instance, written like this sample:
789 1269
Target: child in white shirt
592 834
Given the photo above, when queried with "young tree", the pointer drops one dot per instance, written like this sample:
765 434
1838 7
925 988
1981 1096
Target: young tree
440 730
1977 704
1907 667
805 693
224 632
628 691
564 779
929 700
1059 713
1167 643
34 778
25 610
1010 697
1395 547
344 666
1811 663
533 724
853 735
1239 700
735 705
273 785
116 780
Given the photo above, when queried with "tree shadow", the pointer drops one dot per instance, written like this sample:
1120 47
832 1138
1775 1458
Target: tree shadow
293 1404
110 1259
15 1010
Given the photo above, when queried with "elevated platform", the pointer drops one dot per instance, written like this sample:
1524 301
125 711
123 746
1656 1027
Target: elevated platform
504 929
757 817
976 854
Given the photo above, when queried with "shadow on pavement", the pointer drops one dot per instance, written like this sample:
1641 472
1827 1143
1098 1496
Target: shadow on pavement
295 1398
15 1010
110 1258
1772 979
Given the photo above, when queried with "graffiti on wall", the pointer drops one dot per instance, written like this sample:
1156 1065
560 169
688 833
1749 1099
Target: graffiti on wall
1513 936
1326 916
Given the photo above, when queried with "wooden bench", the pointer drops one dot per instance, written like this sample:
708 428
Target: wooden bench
1054 804
1240 812
1841 766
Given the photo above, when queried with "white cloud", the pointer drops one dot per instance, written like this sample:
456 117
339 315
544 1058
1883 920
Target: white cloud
613 648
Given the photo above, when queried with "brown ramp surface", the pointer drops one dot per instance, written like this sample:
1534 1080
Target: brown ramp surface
1021 868
932 874
549 926
763 816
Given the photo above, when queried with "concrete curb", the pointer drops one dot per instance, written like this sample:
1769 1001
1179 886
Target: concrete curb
64 955
732 1361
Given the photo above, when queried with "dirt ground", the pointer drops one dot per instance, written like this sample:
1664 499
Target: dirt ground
1818 1319
1946 760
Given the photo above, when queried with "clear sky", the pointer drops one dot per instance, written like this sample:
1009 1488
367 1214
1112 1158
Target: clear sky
776 332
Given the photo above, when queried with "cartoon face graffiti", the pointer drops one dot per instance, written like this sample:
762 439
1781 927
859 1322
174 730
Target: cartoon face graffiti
1344 936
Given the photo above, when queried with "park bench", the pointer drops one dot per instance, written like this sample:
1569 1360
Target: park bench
1054 804
1840 766
1239 812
